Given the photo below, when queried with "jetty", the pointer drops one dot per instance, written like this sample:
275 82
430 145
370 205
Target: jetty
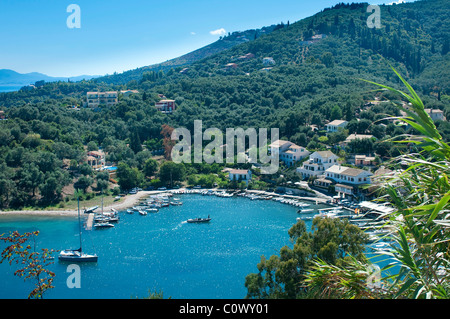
90 221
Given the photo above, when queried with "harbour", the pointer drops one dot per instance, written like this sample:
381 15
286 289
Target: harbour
163 251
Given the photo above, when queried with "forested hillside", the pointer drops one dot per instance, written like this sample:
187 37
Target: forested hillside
314 78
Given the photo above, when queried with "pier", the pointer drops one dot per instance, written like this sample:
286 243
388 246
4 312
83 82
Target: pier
89 221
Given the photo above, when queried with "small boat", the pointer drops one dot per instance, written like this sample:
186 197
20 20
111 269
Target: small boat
176 203
101 219
142 212
113 219
300 211
130 211
199 220
76 255
90 210
103 225
152 210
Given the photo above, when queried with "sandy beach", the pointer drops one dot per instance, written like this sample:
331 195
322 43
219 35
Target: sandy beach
129 201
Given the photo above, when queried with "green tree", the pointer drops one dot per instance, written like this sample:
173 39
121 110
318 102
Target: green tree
327 59
92 146
331 239
336 113
102 179
171 172
419 226
150 167
50 190
128 177
135 141
30 177
83 183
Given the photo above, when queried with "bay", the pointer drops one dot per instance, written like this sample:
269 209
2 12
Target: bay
160 251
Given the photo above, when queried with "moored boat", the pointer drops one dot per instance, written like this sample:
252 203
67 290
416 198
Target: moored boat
77 255
103 225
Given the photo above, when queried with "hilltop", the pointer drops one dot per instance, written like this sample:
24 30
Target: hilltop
224 43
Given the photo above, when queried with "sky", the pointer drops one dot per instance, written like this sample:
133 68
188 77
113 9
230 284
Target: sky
116 36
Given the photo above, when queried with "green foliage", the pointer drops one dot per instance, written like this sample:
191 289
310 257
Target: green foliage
34 263
419 227
312 82
280 276
128 177
170 172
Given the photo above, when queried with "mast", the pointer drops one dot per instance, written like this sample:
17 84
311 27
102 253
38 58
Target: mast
79 219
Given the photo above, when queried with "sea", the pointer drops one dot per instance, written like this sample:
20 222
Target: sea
9 88
160 252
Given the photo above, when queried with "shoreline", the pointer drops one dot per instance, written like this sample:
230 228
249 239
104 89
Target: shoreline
130 201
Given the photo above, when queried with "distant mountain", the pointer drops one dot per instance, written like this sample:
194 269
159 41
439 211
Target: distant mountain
225 43
13 78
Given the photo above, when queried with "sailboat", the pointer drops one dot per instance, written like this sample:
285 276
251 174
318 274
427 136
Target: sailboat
77 255
103 221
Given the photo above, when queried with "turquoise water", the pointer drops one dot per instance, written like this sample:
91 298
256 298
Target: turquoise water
161 252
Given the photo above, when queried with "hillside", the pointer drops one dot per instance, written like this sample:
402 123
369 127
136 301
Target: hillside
218 46
298 76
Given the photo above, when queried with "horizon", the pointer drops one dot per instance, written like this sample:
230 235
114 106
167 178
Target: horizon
125 38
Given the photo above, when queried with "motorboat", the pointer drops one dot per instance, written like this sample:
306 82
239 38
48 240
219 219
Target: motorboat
142 212
199 220
302 211
152 210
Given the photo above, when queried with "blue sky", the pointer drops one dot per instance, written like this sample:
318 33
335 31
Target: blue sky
116 36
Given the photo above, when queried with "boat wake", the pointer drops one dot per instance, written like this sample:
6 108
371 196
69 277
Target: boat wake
179 225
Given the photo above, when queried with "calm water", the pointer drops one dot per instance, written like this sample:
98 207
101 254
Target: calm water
161 251
9 88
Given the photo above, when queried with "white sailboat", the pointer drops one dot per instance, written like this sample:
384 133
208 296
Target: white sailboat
77 255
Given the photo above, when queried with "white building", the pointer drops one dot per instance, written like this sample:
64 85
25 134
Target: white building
348 175
288 152
240 175
317 164
348 180
334 126
95 99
